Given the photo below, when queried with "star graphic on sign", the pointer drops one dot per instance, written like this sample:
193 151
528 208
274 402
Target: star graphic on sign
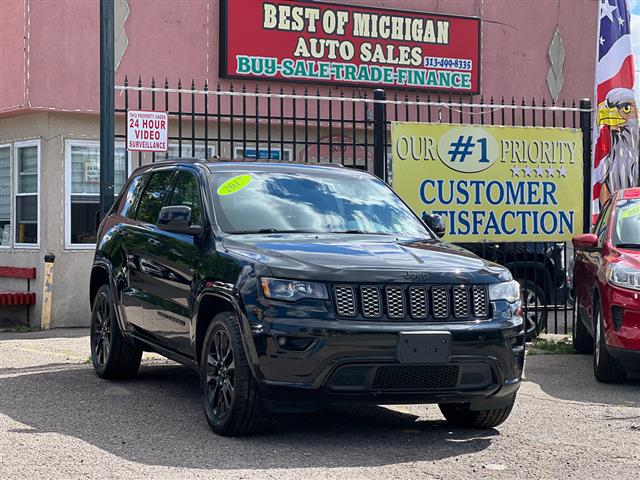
527 171
562 171
621 21
551 171
515 171
601 41
539 171
606 9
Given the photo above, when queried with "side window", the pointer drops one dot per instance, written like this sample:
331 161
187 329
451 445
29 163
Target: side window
130 198
154 196
187 192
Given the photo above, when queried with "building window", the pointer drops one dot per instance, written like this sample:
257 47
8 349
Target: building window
27 189
5 195
83 188
263 153
174 150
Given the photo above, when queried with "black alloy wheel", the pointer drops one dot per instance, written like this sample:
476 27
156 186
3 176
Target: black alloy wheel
220 375
101 330
113 356
232 401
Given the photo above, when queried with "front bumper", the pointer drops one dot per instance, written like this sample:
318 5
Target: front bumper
627 359
304 364
621 311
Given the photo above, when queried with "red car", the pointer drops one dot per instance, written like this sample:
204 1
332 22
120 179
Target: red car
606 279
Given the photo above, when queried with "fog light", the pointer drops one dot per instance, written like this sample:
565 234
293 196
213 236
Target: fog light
282 341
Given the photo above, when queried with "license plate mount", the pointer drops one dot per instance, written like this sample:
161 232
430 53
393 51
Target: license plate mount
424 347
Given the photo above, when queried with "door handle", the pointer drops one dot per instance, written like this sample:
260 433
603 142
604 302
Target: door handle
154 242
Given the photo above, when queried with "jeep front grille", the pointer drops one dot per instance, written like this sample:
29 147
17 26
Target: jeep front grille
345 301
480 304
371 302
395 302
417 302
440 302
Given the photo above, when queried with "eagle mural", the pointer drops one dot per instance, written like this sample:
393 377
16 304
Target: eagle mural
619 115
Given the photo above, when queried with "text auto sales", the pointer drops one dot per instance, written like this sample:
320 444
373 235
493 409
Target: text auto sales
373 62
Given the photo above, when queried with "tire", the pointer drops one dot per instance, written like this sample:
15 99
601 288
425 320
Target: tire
582 340
112 355
459 415
605 368
232 403
533 297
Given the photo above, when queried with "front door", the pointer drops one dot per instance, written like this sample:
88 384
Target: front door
174 289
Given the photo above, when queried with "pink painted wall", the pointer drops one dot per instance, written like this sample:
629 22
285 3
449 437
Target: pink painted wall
12 59
179 39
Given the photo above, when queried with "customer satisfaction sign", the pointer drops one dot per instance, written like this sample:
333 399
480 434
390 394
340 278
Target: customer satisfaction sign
347 44
492 183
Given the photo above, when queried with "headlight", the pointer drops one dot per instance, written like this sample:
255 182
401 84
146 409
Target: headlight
292 290
623 276
509 291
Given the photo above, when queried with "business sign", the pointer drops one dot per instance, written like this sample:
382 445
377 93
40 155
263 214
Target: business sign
147 131
492 183
316 42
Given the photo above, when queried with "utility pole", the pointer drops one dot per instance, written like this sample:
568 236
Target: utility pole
107 142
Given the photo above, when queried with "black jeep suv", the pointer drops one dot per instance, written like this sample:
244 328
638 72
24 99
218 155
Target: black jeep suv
291 287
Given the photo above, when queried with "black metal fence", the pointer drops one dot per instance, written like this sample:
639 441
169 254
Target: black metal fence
353 127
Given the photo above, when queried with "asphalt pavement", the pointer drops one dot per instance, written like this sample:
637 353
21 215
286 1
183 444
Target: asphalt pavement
59 421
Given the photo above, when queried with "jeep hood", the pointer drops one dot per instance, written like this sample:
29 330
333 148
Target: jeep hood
364 258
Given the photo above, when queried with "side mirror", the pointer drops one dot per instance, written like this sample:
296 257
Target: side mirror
435 223
586 241
177 219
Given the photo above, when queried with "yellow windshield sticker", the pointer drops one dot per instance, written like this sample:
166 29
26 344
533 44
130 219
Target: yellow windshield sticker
234 185
631 212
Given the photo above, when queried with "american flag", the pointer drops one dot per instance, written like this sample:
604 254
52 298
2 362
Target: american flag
614 95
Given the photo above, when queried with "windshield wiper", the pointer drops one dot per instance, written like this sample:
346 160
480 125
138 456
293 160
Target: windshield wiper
628 245
272 230
358 232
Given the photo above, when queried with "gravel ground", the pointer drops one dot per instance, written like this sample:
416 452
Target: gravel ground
58 420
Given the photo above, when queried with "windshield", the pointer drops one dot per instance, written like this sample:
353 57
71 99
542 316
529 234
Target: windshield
627 225
313 201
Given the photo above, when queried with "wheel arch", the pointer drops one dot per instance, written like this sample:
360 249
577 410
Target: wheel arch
210 305
99 276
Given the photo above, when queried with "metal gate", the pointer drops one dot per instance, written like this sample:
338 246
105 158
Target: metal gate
353 128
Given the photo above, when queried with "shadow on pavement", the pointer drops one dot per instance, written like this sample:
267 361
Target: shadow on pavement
570 377
157 419
43 334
